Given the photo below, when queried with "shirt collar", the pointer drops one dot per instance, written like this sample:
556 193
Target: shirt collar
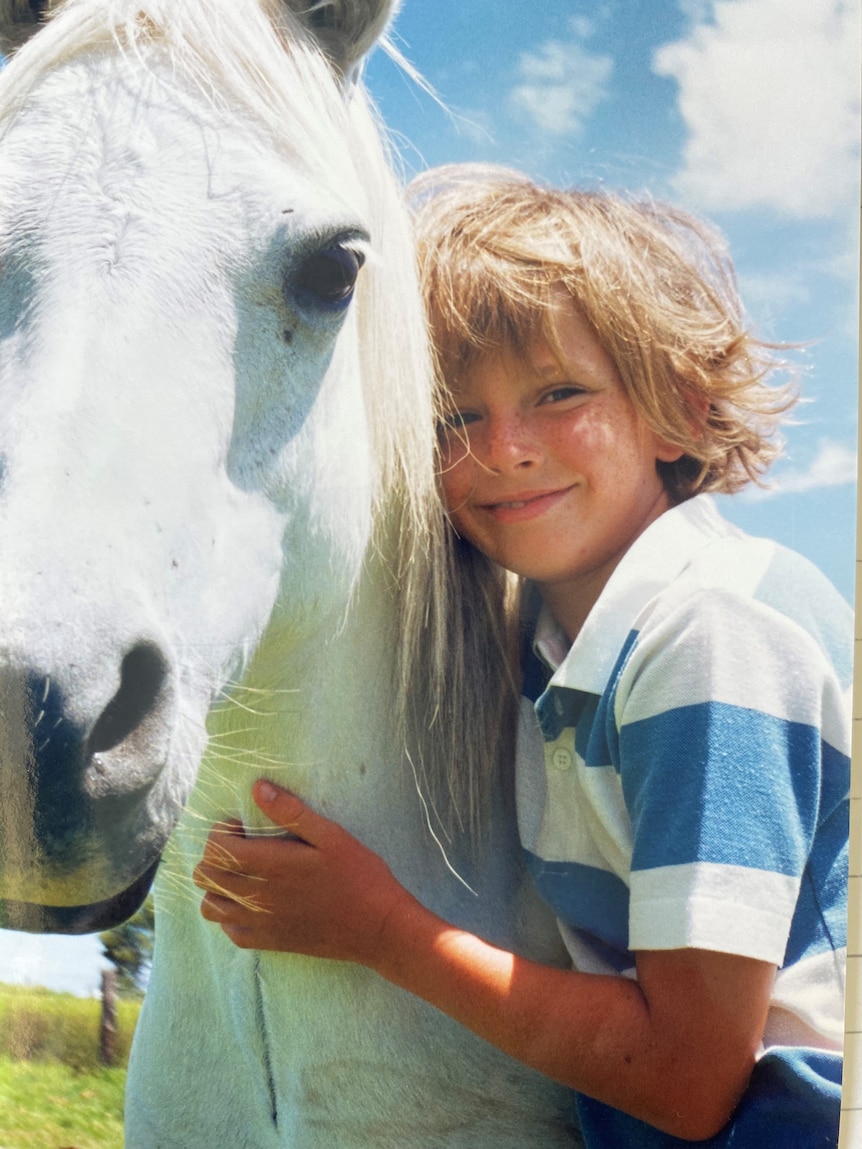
650 564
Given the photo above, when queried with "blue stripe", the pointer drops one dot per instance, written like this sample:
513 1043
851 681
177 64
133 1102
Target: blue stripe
534 675
792 1102
690 774
820 918
598 743
820 921
593 717
585 898
835 781
560 708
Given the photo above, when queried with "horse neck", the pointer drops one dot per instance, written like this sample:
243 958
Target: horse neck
316 712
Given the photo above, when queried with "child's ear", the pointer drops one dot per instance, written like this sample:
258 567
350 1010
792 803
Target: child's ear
666 452
698 407
697 410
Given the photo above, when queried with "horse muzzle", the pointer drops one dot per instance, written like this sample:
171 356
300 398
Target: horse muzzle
79 838
34 918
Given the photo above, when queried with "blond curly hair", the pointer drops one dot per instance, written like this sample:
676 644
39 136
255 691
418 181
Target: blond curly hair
655 284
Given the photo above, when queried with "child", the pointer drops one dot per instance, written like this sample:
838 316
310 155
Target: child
683 797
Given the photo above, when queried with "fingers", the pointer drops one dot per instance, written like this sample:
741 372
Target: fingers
230 847
234 920
234 859
291 813
228 906
246 890
281 807
220 850
245 875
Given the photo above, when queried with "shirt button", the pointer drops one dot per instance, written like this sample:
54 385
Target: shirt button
561 758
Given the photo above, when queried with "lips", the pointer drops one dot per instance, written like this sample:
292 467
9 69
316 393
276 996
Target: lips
524 505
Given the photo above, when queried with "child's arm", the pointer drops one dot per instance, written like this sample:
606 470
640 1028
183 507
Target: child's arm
674 1048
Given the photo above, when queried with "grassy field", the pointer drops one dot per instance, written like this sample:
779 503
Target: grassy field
54 1094
47 1105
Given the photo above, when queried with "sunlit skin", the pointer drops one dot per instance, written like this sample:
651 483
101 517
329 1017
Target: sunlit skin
674 1048
547 467
559 480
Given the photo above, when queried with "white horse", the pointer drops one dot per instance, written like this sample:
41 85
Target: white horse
216 472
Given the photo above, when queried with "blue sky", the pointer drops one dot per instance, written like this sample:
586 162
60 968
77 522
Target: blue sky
746 111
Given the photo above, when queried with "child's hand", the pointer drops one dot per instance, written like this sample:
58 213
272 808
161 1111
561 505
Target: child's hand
318 892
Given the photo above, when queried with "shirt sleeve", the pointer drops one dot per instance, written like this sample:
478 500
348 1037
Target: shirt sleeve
731 729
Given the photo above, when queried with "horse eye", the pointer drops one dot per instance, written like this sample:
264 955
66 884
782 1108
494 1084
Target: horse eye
328 278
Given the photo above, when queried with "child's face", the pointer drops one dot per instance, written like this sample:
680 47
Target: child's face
560 477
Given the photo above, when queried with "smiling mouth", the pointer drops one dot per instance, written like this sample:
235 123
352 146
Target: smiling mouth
523 500
527 506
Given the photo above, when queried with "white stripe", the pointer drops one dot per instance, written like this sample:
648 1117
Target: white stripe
704 905
663 674
584 957
653 562
566 812
722 568
812 991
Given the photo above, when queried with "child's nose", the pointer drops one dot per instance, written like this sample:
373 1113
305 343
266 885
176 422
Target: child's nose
510 446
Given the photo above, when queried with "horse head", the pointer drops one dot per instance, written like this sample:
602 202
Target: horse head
187 427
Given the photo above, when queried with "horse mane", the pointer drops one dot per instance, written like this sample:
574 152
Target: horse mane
255 60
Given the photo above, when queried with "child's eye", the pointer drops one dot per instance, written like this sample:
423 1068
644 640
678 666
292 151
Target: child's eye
559 394
455 421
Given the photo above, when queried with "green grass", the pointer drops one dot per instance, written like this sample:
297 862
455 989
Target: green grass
54 1094
38 1025
47 1105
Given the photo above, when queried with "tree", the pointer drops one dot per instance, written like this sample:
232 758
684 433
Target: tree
129 947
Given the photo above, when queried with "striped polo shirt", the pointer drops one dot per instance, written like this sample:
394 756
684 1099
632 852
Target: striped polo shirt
683 767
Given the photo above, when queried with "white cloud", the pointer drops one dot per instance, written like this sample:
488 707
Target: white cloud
582 26
778 289
834 465
560 85
769 92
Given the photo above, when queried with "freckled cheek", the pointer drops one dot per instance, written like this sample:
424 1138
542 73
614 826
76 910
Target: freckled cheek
576 446
456 478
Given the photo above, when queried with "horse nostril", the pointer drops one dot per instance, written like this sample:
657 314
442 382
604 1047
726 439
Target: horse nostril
141 678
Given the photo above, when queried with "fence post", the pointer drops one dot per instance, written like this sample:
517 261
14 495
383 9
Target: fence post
108 1023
